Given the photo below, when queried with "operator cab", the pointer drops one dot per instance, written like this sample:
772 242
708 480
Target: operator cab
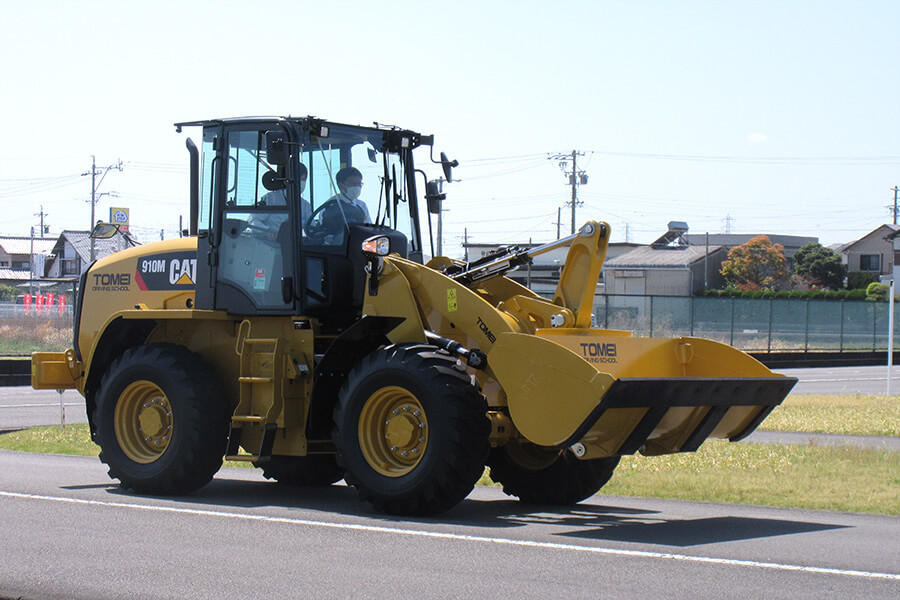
284 206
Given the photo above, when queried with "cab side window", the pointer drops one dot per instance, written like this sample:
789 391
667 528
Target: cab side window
255 245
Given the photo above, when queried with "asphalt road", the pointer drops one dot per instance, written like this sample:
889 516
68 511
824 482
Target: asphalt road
68 532
844 380
22 407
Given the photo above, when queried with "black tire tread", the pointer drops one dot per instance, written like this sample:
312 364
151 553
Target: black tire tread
462 410
202 427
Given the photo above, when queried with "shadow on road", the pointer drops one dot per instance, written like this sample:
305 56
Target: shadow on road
583 521
696 532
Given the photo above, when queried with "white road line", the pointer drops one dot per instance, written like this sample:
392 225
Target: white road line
51 405
844 379
462 537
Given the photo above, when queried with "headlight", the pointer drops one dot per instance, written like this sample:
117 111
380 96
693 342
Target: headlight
378 246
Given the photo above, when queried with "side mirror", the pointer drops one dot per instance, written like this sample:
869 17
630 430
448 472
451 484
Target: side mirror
272 182
448 165
434 196
277 152
104 231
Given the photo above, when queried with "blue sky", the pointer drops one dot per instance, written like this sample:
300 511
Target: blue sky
765 117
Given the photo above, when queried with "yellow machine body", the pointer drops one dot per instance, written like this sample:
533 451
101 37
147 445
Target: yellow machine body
550 378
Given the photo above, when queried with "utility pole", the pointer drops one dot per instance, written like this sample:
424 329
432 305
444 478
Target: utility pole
575 176
42 214
895 204
31 263
94 195
440 220
558 221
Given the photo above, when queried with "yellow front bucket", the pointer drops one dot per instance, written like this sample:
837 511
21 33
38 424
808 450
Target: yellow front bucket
619 395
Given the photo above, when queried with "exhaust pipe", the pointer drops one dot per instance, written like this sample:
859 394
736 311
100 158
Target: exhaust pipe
195 186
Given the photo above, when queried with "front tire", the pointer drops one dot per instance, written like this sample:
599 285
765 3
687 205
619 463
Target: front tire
162 420
538 475
411 431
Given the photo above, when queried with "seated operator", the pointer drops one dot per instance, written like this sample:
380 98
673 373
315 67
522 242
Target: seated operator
330 221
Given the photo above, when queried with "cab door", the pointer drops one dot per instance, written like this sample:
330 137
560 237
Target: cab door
255 237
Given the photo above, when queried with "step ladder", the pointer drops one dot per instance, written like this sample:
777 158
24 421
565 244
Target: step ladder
260 403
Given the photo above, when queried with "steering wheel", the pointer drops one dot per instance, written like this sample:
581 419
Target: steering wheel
319 229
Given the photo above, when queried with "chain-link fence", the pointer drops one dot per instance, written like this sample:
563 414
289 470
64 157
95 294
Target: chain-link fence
755 325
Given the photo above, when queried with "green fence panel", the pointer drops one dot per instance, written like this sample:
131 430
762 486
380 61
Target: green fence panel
824 325
788 325
670 316
712 318
857 333
752 320
629 313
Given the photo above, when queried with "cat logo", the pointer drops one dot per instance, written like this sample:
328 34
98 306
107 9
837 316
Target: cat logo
182 272
168 271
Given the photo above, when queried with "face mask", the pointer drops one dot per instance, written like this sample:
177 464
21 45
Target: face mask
353 191
302 185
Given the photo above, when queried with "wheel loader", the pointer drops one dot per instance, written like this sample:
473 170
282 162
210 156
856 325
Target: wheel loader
291 329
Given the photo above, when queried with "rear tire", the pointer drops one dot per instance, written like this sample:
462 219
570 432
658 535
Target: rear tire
162 421
411 431
538 475
306 471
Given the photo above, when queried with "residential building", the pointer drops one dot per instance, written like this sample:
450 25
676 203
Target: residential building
71 253
20 256
872 254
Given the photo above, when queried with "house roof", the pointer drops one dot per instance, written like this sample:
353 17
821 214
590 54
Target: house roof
647 256
14 275
886 231
22 245
81 242
737 239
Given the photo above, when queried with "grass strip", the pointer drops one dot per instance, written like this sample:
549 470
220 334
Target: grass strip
856 414
793 476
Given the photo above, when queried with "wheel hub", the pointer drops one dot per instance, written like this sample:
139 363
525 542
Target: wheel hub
143 421
393 431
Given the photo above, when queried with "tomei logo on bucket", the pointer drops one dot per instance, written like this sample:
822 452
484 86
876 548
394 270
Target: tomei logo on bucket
599 353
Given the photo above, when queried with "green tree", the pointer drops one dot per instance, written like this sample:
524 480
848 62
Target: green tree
820 266
757 264
8 293
877 292
860 281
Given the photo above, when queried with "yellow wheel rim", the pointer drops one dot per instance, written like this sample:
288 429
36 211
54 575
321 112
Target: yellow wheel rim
393 431
143 422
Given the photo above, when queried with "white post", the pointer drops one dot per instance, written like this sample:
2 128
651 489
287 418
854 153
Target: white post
890 337
62 411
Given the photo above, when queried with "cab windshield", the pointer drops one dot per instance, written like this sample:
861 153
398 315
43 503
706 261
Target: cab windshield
350 178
